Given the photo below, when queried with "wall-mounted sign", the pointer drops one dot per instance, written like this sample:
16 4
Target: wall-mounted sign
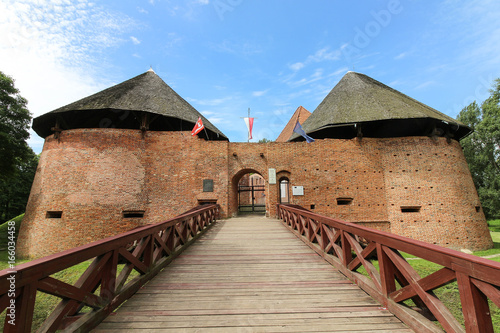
298 190
272 176
208 185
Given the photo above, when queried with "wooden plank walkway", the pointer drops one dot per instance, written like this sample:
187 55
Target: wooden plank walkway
250 274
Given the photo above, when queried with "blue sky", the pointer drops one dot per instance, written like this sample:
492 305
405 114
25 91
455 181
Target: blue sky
225 56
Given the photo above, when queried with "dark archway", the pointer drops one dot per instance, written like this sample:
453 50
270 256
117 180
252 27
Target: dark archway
251 194
244 184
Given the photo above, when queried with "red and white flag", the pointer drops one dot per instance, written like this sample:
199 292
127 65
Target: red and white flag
197 127
249 122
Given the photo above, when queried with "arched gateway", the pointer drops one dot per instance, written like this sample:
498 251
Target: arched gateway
125 157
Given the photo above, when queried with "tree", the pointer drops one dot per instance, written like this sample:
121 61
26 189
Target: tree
14 125
482 149
264 140
15 190
18 162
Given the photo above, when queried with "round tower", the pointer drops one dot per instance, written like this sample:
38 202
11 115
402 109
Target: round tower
115 160
427 187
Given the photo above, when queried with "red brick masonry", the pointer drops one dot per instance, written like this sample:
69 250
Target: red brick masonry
414 186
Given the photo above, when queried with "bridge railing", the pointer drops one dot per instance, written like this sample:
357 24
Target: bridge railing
101 288
348 247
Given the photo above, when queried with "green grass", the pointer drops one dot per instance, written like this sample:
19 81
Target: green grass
494 225
4 230
495 250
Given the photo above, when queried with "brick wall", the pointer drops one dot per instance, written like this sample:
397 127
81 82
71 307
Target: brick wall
414 187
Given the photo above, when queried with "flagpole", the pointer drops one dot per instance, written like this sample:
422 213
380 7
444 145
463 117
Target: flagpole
248 137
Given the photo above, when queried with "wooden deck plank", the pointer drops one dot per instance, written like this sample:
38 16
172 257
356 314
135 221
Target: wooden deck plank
252 275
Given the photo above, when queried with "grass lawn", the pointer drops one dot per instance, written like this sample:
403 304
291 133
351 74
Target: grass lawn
494 251
494 225
4 231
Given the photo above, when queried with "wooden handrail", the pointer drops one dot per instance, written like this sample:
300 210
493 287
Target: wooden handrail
348 246
146 249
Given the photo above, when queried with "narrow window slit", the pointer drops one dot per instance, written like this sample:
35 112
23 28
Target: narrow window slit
344 201
53 214
128 214
410 209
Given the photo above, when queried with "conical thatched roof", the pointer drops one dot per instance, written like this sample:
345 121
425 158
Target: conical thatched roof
360 105
300 115
144 101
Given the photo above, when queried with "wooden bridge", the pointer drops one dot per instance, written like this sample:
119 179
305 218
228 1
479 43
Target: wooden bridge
253 275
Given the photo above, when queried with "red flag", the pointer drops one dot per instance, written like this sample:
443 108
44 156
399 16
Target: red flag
249 122
197 127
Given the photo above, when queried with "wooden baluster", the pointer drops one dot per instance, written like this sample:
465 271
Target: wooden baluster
108 284
346 249
148 252
25 305
387 273
474 306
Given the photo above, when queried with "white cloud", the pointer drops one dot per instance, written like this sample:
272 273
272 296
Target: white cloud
339 71
243 48
259 93
401 56
203 2
53 48
324 54
217 120
297 66
135 40
469 29
425 85
315 76
395 83
209 102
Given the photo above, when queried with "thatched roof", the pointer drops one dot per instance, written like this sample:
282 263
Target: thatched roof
143 101
300 115
360 105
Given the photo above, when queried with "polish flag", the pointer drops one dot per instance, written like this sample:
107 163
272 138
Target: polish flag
197 127
249 122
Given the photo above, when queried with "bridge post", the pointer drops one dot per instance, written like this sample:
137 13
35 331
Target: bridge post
346 249
475 306
387 272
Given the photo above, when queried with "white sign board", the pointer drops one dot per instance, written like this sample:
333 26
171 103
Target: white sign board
272 176
298 190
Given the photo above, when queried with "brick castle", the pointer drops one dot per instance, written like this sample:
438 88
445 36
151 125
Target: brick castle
125 157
